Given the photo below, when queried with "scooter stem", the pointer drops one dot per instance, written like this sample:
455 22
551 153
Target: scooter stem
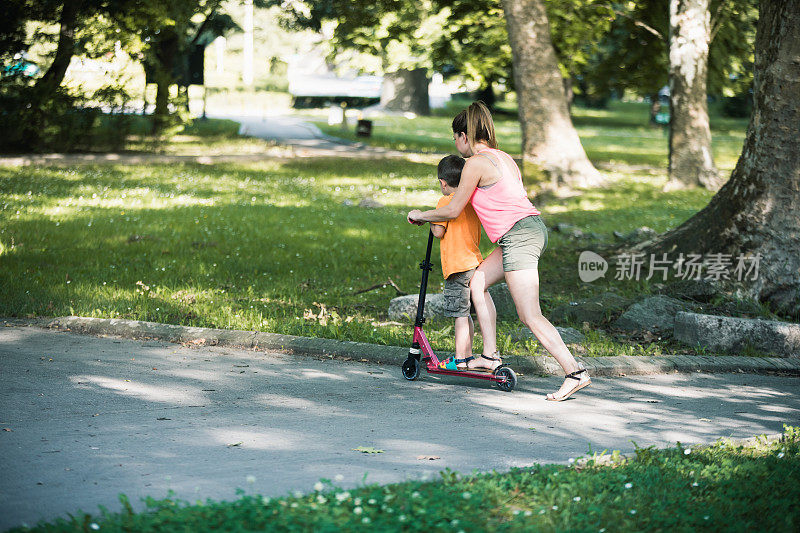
423 287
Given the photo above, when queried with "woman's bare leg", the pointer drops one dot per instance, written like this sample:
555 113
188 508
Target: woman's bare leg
524 288
488 273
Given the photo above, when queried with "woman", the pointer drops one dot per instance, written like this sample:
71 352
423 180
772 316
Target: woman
492 182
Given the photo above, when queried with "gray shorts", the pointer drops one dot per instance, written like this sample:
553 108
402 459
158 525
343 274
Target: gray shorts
523 244
457 299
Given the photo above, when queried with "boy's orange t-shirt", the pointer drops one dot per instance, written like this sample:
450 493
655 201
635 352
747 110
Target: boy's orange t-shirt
459 245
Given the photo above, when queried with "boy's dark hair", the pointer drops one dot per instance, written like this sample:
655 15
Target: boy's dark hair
450 168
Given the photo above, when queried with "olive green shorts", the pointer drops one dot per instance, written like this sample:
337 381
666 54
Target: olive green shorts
524 244
457 298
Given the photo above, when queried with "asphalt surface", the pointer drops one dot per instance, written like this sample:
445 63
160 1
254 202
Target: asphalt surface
306 138
85 418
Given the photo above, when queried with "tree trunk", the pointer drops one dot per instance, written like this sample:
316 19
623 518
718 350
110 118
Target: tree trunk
68 21
486 95
164 73
406 90
691 162
549 140
569 92
162 98
756 211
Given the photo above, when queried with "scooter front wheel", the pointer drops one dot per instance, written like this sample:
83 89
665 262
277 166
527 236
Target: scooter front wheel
411 368
508 378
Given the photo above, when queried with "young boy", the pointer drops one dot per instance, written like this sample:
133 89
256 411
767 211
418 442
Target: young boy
460 256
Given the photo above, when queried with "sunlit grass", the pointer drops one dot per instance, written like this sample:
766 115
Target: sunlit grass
617 135
243 247
265 246
283 246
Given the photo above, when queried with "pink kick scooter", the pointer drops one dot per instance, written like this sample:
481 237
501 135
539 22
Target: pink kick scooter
421 351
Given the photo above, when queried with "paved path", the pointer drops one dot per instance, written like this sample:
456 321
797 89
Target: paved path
294 136
93 417
287 130
306 139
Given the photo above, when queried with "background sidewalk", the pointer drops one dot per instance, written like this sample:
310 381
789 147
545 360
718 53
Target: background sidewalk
295 138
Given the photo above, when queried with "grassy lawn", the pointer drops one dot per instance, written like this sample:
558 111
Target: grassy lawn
283 246
723 487
619 134
277 246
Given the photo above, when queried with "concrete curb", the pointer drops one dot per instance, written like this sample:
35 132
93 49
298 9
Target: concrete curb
290 344
597 366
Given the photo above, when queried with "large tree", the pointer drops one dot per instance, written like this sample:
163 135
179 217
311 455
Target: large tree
755 213
480 50
475 44
39 112
549 140
633 56
68 22
69 17
691 162
170 34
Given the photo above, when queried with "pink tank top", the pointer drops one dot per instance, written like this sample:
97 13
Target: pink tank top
504 203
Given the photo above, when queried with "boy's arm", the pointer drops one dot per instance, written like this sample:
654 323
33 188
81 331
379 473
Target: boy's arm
438 230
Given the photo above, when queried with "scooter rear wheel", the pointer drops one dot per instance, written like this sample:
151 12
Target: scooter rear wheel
510 380
411 368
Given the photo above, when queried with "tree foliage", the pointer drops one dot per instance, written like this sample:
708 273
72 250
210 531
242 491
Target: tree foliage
170 33
398 32
474 42
634 54
152 31
39 112
605 46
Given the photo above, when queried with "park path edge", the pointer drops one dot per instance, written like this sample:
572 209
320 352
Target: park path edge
365 352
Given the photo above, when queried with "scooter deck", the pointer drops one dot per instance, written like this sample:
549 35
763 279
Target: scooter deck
469 370
489 376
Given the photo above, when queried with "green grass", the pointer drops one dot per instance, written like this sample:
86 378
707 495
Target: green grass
260 247
722 487
617 135
277 246
282 246
422 134
225 246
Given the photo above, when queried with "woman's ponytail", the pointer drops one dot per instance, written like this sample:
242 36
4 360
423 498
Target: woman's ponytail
479 125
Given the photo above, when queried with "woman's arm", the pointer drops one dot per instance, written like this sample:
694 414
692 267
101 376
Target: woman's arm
470 178
438 230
